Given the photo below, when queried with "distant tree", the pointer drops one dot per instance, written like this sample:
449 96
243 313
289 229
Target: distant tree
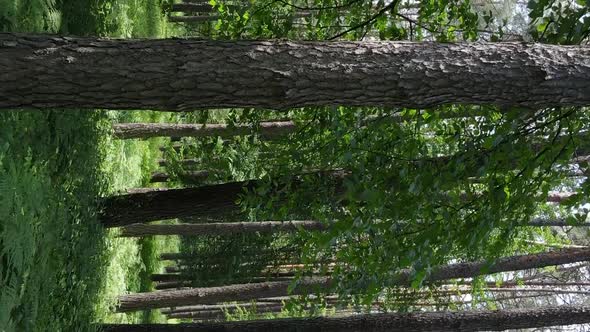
209 229
267 130
245 292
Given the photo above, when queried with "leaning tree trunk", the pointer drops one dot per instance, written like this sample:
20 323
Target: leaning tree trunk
407 322
268 130
42 71
247 292
222 229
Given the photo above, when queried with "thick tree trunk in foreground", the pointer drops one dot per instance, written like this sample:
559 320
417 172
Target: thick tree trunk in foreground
407 322
268 130
246 292
42 71
229 228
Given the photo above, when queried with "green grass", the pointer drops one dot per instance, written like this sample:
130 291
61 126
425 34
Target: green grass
59 269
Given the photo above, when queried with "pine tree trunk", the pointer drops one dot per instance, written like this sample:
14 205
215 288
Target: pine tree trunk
219 199
174 256
170 277
193 19
42 71
212 295
192 7
193 176
222 229
184 162
407 322
246 292
268 130
173 203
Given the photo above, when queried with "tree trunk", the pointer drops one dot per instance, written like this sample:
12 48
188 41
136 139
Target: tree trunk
539 222
169 277
193 19
407 322
196 176
223 229
183 162
212 295
219 313
192 7
42 71
170 256
268 130
173 203
203 201
246 292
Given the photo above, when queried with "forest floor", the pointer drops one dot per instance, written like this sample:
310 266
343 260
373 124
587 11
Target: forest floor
59 269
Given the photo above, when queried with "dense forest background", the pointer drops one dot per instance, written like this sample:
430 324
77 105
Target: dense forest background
331 210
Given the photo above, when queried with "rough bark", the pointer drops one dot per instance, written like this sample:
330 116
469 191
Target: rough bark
264 227
408 322
173 203
268 130
541 222
42 71
219 199
246 292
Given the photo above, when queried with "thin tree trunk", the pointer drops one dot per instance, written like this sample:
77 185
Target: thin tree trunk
192 7
170 277
407 322
268 130
219 307
212 295
223 229
42 71
219 313
184 162
170 256
190 175
193 19
246 292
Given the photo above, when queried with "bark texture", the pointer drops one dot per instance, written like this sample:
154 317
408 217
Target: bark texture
211 229
247 292
173 203
268 130
43 71
407 322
